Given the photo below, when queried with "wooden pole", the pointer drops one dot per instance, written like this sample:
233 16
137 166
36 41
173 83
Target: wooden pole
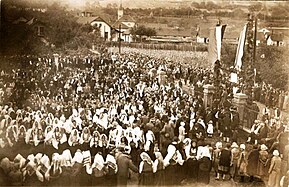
119 38
255 40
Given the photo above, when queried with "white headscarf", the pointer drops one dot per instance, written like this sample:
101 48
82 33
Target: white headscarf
98 162
206 152
66 158
45 161
78 157
21 159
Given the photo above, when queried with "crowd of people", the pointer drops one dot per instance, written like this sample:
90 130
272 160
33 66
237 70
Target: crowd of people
95 120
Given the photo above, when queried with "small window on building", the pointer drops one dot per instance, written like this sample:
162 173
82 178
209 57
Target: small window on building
40 31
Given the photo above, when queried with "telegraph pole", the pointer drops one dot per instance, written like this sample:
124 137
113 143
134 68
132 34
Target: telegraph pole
119 38
255 40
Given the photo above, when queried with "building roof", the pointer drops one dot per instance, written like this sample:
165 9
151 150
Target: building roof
89 20
117 23
277 37
126 18
263 30
20 20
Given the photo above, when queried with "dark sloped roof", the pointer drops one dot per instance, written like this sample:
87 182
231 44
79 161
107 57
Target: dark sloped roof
277 37
116 25
20 20
88 20
125 18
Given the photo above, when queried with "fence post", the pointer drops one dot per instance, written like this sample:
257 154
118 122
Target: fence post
208 95
240 101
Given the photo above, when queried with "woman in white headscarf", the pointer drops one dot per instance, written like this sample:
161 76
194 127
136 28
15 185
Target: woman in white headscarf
146 170
98 170
275 170
66 158
94 141
111 170
55 170
31 174
173 162
85 139
76 167
21 136
66 165
159 169
205 166
103 144
234 159
43 167
11 135
38 136
74 138
216 157
58 137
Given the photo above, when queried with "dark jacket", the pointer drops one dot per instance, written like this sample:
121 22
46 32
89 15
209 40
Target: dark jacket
124 163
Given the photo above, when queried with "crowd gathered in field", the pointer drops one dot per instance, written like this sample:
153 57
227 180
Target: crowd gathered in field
98 120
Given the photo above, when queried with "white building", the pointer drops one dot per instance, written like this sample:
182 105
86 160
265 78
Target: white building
124 25
104 26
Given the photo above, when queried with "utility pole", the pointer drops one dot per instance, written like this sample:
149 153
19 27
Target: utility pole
119 39
255 41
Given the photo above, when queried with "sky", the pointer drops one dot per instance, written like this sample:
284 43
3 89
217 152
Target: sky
133 3
145 3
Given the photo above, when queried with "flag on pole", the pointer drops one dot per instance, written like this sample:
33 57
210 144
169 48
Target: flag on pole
240 49
215 43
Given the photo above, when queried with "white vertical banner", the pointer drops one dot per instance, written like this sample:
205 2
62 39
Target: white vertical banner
240 49
219 40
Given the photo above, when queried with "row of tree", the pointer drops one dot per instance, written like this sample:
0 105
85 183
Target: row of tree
271 63
277 11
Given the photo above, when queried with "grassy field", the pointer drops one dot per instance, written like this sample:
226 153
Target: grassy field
198 59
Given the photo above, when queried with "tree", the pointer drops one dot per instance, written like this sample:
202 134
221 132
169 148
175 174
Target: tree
60 28
271 63
140 31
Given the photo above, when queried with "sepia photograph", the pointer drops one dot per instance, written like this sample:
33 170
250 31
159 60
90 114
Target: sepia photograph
144 93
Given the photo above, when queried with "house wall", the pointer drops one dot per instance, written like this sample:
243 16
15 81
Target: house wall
124 37
104 28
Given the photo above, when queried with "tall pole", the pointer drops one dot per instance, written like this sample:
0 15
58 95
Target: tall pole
249 57
255 40
119 39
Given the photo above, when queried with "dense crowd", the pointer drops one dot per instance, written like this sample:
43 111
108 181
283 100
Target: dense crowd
128 113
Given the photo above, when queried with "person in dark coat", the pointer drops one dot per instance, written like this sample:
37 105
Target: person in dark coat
173 162
252 166
226 127
192 162
124 163
205 166
224 162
